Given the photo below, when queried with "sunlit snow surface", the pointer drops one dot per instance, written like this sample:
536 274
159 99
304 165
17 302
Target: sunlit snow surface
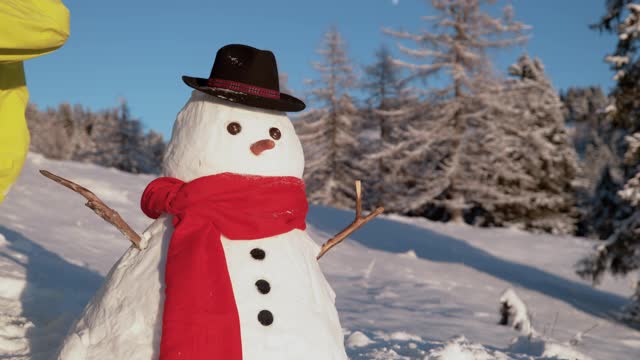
406 288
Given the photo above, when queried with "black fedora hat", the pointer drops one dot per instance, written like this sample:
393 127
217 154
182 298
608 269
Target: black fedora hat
246 75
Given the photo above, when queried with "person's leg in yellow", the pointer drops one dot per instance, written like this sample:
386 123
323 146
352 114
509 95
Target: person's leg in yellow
28 28
14 135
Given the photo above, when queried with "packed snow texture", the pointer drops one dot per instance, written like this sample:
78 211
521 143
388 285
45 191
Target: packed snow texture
516 312
191 155
54 254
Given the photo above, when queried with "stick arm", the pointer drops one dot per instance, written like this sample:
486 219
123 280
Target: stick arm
99 207
357 223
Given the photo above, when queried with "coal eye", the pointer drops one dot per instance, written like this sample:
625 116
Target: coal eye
275 133
234 128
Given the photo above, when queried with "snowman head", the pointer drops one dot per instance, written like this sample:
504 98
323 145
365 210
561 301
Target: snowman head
212 136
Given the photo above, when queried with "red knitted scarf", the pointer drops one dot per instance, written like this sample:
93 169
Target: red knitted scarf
200 319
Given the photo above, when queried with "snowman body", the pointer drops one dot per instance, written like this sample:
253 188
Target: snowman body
286 284
285 305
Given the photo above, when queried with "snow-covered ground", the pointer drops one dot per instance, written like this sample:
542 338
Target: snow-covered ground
406 288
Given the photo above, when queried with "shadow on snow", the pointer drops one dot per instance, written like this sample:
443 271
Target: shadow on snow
56 291
396 237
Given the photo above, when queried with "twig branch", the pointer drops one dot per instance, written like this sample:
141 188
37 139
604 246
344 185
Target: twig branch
355 225
99 207
577 338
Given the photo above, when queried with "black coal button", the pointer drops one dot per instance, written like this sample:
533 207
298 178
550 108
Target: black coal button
263 286
258 254
265 317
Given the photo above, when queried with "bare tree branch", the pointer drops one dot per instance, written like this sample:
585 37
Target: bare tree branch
355 225
99 207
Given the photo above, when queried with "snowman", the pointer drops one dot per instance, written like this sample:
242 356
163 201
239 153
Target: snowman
227 270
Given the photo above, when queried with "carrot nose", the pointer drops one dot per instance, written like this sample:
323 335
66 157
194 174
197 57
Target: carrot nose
259 146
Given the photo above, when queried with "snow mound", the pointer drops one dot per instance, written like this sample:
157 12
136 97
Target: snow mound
514 311
358 339
399 336
13 335
459 348
545 348
410 254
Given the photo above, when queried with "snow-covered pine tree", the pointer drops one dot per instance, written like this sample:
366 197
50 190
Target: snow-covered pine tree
600 168
586 121
436 162
623 18
383 84
153 147
125 146
584 115
538 183
109 137
516 159
328 132
620 254
48 133
103 130
130 138
385 127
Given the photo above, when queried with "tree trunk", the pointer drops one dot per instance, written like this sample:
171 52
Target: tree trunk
455 208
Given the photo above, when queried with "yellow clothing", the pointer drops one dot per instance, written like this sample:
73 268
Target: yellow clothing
28 28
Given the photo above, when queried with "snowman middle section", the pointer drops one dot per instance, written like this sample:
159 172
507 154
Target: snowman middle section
286 307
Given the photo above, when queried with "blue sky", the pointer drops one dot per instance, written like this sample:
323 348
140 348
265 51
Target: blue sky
139 49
